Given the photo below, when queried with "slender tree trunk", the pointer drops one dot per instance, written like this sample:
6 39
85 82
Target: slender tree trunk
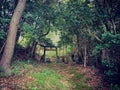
11 38
80 56
63 48
34 49
57 57
113 26
105 54
44 54
85 54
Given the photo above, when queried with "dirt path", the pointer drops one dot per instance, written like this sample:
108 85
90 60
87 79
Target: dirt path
90 77
75 77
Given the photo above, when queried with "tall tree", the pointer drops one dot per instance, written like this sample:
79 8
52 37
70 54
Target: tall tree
11 37
37 22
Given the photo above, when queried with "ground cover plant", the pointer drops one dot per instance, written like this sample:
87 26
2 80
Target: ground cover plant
31 75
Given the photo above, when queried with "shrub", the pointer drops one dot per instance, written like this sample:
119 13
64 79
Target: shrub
112 76
114 87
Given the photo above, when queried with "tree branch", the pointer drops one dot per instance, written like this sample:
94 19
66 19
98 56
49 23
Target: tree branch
92 34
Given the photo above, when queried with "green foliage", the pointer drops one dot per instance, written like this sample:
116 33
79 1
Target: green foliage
111 42
46 42
114 87
66 38
98 48
109 64
2 34
71 18
25 40
37 22
112 76
110 39
4 20
6 10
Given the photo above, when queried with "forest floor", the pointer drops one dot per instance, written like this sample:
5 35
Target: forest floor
29 75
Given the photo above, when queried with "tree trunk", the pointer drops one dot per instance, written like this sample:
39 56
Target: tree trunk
34 49
85 54
11 37
57 57
78 44
44 54
79 53
105 54
63 50
113 26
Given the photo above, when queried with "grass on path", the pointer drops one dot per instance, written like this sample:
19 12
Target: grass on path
29 75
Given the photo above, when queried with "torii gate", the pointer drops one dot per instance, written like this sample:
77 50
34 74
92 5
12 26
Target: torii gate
44 54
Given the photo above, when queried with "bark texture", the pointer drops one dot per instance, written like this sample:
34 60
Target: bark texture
11 38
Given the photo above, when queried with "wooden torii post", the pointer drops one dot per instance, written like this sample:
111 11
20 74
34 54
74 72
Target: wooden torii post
43 58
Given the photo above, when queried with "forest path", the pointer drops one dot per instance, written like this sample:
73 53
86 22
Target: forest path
81 78
52 76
